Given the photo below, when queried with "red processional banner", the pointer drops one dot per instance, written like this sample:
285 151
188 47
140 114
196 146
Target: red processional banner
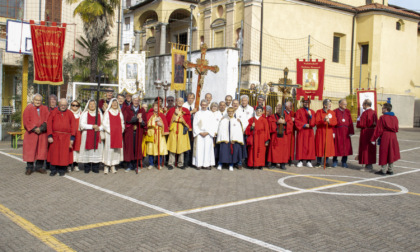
47 46
310 74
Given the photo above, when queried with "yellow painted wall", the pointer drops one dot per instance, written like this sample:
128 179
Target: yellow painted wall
285 40
416 80
364 35
397 55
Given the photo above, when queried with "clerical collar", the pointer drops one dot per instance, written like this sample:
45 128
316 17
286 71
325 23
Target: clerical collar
368 108
136 108
257 117
342 110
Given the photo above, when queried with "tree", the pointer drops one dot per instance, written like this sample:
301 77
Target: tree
98 18
80 70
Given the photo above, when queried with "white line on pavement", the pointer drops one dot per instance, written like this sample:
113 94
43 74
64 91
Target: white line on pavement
182 217
410 149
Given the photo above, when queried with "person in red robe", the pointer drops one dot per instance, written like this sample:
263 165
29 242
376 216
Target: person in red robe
61 134
290 113
258 133
75 108
279 149
305 139
35 145
367 123
135 125
121 101
53 100
325 120
386 130
342 133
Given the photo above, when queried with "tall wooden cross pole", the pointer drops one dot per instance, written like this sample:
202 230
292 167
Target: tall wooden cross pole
97 90
201 69
285 87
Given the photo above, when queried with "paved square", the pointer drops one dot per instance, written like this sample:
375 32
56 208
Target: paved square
300 209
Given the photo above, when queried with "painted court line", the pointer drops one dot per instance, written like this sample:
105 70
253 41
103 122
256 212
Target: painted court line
46 238
180 216
410 149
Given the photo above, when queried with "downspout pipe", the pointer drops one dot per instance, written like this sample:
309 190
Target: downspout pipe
352 53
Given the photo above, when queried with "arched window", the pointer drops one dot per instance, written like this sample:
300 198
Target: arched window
399 26
218 27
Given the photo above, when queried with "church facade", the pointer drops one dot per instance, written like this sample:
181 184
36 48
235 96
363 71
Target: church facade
365 43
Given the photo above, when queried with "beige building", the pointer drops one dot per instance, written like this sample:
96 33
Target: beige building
365 43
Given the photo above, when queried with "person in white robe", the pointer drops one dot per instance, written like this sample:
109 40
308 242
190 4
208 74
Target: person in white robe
77 112
112 156
214 107
204 131
231 141
90 157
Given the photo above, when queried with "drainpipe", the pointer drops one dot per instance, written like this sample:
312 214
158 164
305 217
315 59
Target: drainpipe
261 36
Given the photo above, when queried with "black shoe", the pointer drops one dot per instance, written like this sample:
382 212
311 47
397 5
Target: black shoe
318 165
261 167
269 165
380 173
290 163
389 173
182 167
170 167
283 166
198 168
61 173
53 173
369 166
327 165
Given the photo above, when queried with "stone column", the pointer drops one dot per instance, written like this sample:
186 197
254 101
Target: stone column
137 41
230 21
143 37
251 51
163 38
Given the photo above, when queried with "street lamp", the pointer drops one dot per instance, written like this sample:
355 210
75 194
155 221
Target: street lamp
158 86
165 88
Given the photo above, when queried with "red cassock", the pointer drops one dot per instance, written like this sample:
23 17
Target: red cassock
305 144
342 131
291 136
256 140
61 127
116 131
367 150
132 147
324 134
279 148
78 140
35 147
386 129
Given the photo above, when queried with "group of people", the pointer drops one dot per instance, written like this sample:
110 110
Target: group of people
122 132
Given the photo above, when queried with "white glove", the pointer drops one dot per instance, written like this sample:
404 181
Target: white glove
358 118
373 143
333 135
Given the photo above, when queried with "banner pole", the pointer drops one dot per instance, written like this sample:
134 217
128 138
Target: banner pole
24 86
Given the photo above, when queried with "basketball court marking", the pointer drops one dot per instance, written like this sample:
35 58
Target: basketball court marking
403 190
182 217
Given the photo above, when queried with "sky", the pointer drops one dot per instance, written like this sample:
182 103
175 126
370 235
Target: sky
408 4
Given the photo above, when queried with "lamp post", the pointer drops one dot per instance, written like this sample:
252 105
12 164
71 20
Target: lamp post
192 7
166 86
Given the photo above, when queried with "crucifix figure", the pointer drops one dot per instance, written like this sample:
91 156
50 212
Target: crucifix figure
201 69
97 90
285 86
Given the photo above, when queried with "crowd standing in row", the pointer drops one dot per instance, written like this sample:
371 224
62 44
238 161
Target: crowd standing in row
231 132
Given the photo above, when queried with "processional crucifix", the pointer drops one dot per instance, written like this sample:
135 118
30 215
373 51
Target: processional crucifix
285 87
201 69
97 90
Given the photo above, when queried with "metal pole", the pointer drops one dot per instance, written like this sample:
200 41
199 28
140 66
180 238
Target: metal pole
261 39
118 37
241 42
192 7
376 78
309 47
1 94
122 30
360 74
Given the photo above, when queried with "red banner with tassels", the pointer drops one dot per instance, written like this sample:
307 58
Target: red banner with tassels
47 46
310 74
